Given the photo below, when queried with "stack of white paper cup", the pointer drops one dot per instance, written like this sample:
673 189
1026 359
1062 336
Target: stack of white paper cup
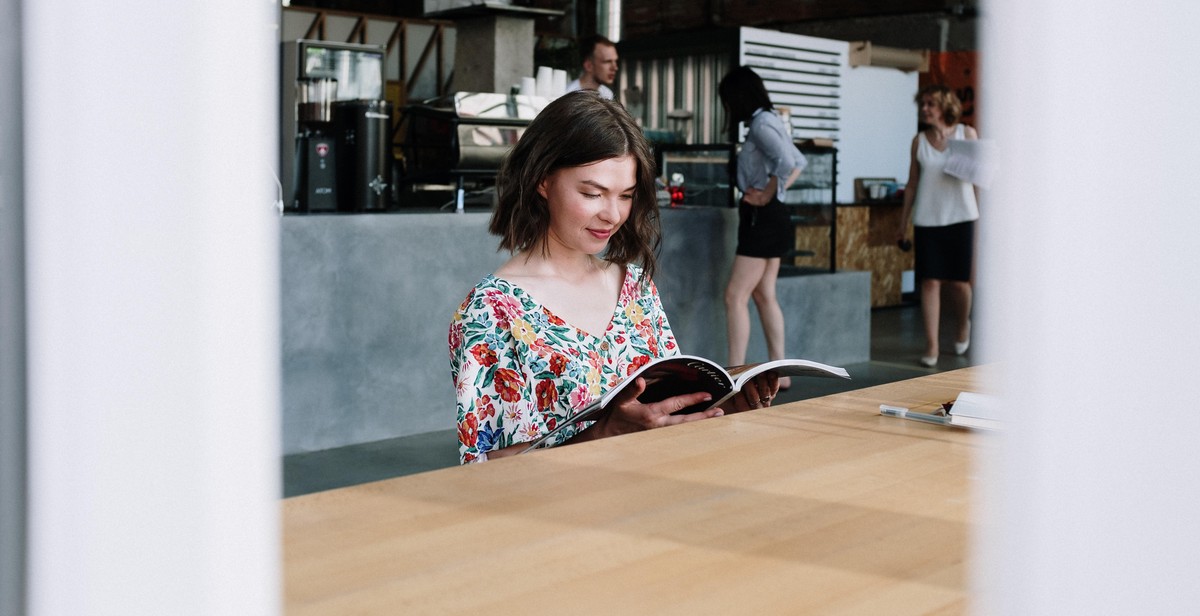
545 82
528 86
560 82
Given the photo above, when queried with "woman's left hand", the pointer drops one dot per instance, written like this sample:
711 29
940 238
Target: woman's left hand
755 394
762 196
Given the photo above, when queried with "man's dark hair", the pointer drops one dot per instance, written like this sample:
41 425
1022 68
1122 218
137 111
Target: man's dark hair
587 46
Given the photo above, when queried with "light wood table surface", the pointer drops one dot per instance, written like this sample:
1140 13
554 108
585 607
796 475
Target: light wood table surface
819 506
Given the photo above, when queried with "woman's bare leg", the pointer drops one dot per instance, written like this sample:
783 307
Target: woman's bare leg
746 273
769 312
931 304
962 295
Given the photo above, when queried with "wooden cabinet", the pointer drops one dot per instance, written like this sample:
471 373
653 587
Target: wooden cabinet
832 236
866 240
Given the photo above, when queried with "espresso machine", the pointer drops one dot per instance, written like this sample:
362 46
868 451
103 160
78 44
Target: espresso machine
335 137
315 174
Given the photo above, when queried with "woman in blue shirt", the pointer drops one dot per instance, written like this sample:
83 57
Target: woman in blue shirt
766 165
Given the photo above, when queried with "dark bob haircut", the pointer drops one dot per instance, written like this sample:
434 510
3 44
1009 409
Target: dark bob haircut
743 93
578 128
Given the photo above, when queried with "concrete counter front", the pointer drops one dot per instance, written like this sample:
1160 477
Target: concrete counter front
367 300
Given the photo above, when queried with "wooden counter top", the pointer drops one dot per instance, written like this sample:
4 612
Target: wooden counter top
820 506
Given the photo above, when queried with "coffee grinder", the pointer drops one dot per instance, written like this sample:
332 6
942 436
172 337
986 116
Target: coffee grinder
315 185
363 129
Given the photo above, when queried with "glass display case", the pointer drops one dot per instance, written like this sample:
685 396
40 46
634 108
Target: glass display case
813 201
695 174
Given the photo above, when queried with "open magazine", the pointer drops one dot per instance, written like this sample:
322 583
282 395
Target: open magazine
685 374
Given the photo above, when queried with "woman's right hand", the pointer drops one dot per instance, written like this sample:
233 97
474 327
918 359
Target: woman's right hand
625 414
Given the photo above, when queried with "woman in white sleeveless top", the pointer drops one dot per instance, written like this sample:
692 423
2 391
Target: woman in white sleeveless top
944 210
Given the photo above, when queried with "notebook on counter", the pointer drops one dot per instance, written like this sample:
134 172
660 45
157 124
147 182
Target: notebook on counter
972 410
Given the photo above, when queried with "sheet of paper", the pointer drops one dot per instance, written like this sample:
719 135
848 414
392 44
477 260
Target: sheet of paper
971 160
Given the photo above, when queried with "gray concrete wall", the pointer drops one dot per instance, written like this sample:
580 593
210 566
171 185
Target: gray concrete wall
366 303
367 300
493 53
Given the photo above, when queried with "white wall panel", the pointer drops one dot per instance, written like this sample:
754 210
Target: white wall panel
153 277
1089 501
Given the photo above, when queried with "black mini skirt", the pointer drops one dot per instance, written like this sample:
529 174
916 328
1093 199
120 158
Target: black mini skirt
945 253
765 232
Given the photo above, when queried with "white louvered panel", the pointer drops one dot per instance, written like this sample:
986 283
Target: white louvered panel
801 73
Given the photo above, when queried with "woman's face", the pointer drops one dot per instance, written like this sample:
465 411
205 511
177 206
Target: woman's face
931 112
589 203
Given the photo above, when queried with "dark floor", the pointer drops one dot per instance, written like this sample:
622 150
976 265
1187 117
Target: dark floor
896 343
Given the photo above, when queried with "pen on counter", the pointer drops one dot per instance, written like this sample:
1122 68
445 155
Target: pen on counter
903 413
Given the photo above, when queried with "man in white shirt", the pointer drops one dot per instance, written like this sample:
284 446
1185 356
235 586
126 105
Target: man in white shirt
599 57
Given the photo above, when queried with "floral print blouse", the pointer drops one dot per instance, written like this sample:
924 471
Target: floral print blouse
519 370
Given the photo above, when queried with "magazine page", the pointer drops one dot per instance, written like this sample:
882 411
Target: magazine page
590 411
678 375
785 367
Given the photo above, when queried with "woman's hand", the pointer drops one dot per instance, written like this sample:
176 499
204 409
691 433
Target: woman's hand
755 394
754 196
625 414
762 196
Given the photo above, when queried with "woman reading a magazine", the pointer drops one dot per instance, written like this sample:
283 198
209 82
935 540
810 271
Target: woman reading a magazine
574 311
